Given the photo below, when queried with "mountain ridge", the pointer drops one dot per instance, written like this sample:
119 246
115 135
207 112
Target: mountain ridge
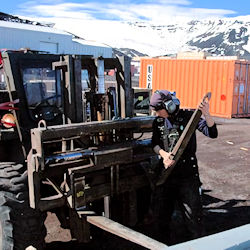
226 37
218 36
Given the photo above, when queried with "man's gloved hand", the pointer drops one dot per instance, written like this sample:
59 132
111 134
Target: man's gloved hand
167 161
204 107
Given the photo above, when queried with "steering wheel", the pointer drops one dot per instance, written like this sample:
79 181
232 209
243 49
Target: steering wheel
47 112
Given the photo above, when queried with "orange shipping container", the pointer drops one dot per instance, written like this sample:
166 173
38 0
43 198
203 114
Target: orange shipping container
228 80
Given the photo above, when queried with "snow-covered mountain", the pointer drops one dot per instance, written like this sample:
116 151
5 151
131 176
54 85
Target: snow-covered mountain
226 36
128 52
9 18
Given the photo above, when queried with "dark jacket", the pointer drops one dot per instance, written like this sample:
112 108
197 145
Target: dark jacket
187 166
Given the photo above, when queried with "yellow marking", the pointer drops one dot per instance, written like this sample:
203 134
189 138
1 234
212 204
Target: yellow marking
245 149
80 194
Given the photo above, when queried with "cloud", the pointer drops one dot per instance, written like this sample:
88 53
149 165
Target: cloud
153 11
175 2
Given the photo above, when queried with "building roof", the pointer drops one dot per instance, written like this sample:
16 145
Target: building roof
90 43
32 27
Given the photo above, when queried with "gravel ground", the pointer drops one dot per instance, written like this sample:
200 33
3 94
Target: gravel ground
224 165
225 173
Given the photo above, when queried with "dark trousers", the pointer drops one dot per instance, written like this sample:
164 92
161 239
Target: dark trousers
184 193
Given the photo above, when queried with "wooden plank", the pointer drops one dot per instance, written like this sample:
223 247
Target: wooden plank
188 131
180 146
125 232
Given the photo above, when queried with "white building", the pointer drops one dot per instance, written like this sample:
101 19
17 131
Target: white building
14 36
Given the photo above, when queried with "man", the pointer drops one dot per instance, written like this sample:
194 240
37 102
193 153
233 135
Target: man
183 184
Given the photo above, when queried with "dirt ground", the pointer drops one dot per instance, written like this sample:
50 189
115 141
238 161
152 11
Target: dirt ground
224 165
225 173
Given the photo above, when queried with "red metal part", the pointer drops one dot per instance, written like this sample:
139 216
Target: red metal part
7 105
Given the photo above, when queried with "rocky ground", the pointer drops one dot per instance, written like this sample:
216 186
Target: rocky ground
224 165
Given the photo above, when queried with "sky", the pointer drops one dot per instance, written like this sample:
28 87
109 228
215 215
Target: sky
126 10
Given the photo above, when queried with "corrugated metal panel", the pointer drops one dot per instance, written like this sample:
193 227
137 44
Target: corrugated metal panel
15 36
46 46
191 79
241 92
90 43
18 38
95 49
247 95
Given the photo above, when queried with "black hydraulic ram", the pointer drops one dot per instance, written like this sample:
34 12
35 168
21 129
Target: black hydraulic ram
64 157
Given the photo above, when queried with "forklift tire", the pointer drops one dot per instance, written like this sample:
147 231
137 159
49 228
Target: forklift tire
20 225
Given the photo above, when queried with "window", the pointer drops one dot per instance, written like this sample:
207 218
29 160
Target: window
43 92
